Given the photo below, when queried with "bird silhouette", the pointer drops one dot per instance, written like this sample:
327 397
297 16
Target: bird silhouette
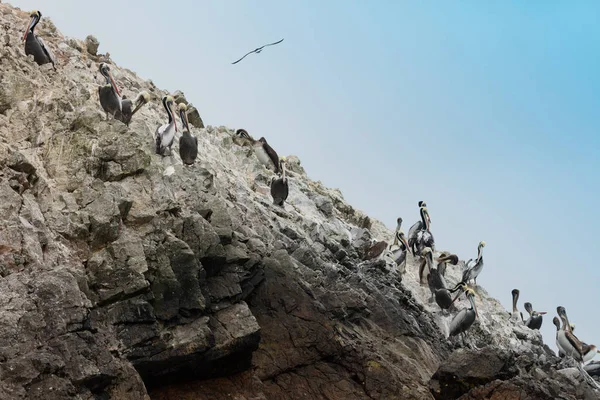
257 50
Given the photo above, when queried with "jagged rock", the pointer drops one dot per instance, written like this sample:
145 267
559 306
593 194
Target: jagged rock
91 45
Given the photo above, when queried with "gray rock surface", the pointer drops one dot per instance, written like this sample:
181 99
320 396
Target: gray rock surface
124 275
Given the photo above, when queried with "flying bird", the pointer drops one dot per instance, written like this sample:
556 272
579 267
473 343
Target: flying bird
258 50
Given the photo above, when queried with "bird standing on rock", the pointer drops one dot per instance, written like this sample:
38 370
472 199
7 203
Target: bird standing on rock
424 238
573 347
165 134
188 144
515 315
417 227
443 260
535 318
34 45
474 267
465 318
279 187
112 102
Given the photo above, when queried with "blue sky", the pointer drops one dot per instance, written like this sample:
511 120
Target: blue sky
488 111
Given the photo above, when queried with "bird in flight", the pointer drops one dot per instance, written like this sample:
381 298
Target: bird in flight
258 50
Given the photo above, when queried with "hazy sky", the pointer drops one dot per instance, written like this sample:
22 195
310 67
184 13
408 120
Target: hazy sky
488 111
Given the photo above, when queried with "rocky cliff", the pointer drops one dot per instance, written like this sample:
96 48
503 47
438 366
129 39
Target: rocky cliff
125 275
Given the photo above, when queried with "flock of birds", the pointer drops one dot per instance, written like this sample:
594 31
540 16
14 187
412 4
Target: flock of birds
420 243
123 109
420 240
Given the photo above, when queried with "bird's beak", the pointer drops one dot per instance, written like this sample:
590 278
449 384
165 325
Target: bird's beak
28 27
114 84
542 312
184 120
455 297
405 243
174 120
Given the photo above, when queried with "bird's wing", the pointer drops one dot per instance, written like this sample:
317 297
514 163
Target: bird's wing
47 50
271 44
575 342
412 232
257 50
235 62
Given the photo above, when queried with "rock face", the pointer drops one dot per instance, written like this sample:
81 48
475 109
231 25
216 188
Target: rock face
125 275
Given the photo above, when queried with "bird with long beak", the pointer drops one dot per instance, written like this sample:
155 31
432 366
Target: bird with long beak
535 317
188 144
279 186
398 250
126 112
515 315
474 267
426 261
439 290
417 227
34 45
424 237
397 231
165 134
109 94
575 348
556 323
443 260
465 318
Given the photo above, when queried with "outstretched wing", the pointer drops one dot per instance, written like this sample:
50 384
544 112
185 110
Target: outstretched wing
271 44
257 50
243 57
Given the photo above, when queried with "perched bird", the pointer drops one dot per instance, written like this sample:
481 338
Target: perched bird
535 318
417 226
165 134
465 318
265 153
438 288
112 102
397 231
279 187
188 144
593 368
34 45
257 50
109 94
126 112
443 260
575 348
474 267
397 252
515 315
426 261
556 323
424 238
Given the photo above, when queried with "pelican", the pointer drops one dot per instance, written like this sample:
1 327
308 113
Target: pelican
417 226
427 261
423 237
516 315
166 133
535 318
279 186
443 260
474 267
556 323
465 318
397 231
34 45
593 368
398 255
265 153
257 50
575 348
188 144
110 96
126 112
439 291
